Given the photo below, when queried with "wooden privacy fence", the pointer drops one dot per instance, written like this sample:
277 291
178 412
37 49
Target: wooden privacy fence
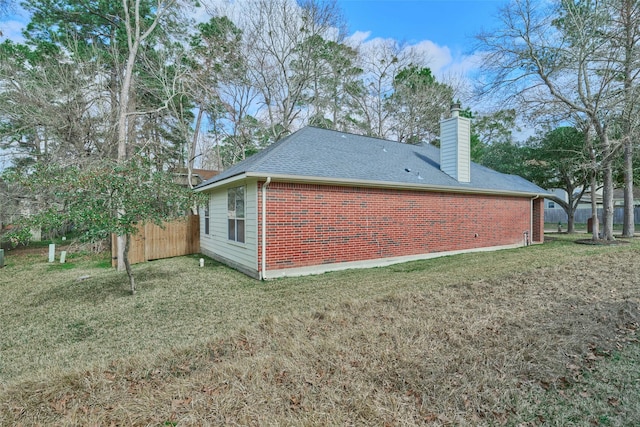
175 238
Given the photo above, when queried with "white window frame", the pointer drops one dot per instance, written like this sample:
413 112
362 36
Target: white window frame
236 202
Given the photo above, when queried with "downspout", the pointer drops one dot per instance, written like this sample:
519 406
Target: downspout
531 221
263 270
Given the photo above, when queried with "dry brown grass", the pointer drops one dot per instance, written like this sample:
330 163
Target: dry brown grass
533 336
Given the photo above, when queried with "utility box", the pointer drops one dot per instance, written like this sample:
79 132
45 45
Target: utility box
590 225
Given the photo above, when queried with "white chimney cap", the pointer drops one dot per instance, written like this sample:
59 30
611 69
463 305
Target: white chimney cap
455 109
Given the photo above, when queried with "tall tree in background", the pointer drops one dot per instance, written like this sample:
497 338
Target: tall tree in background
124 37
139 26
334 81
559 159
506 157
215 61
281 64
94 30
417 105
488 129
131 40
380 63
51 105
625 32
553 60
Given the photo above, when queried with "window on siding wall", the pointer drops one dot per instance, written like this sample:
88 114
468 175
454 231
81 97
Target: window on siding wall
552 205
235 203
206 219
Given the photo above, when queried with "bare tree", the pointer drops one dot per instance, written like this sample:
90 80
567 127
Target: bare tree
625 32
381 61
278 58
551 58
50 104
138 29
217 68
417 105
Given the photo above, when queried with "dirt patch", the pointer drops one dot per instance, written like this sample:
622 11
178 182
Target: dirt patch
70 246
26 250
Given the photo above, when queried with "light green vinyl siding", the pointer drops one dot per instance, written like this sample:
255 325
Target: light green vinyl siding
217 243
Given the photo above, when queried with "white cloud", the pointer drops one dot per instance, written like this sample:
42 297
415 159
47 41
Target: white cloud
438 57
12 24
12 30
357 38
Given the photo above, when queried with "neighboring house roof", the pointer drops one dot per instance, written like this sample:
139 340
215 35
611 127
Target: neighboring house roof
618 193
618 196
327 156
205 174
198 176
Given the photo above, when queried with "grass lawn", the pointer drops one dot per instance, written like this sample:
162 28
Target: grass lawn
543 335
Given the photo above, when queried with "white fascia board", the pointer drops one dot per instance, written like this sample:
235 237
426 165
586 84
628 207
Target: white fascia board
221 183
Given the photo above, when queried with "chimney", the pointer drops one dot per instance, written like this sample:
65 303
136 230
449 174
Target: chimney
455 146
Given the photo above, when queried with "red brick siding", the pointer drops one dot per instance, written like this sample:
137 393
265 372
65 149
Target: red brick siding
316 224
538 220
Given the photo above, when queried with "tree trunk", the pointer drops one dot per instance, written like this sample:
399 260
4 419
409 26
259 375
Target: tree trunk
607 201
134 37
628 227
570 209
571 213
595 222
629 16
193 147
132 282
123 111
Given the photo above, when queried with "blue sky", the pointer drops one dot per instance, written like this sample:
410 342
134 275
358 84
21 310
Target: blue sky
443 29
450 23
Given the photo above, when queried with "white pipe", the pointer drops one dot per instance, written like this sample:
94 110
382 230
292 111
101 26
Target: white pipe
52 252
263 270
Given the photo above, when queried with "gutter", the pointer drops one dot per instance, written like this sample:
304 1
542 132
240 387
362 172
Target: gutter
263 270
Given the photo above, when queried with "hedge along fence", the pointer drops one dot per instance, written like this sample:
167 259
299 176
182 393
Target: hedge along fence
175 238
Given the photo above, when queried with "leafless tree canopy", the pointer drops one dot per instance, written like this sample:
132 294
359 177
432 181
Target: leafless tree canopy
567 60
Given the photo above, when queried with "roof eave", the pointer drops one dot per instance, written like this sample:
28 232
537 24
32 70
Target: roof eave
301 179
238 177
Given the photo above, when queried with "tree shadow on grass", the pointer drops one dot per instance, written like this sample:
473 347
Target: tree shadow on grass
85 289
101 287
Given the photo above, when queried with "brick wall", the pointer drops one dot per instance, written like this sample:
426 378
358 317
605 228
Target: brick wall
316 224
538 220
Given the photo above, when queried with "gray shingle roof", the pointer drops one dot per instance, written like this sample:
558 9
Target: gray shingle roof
337 156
